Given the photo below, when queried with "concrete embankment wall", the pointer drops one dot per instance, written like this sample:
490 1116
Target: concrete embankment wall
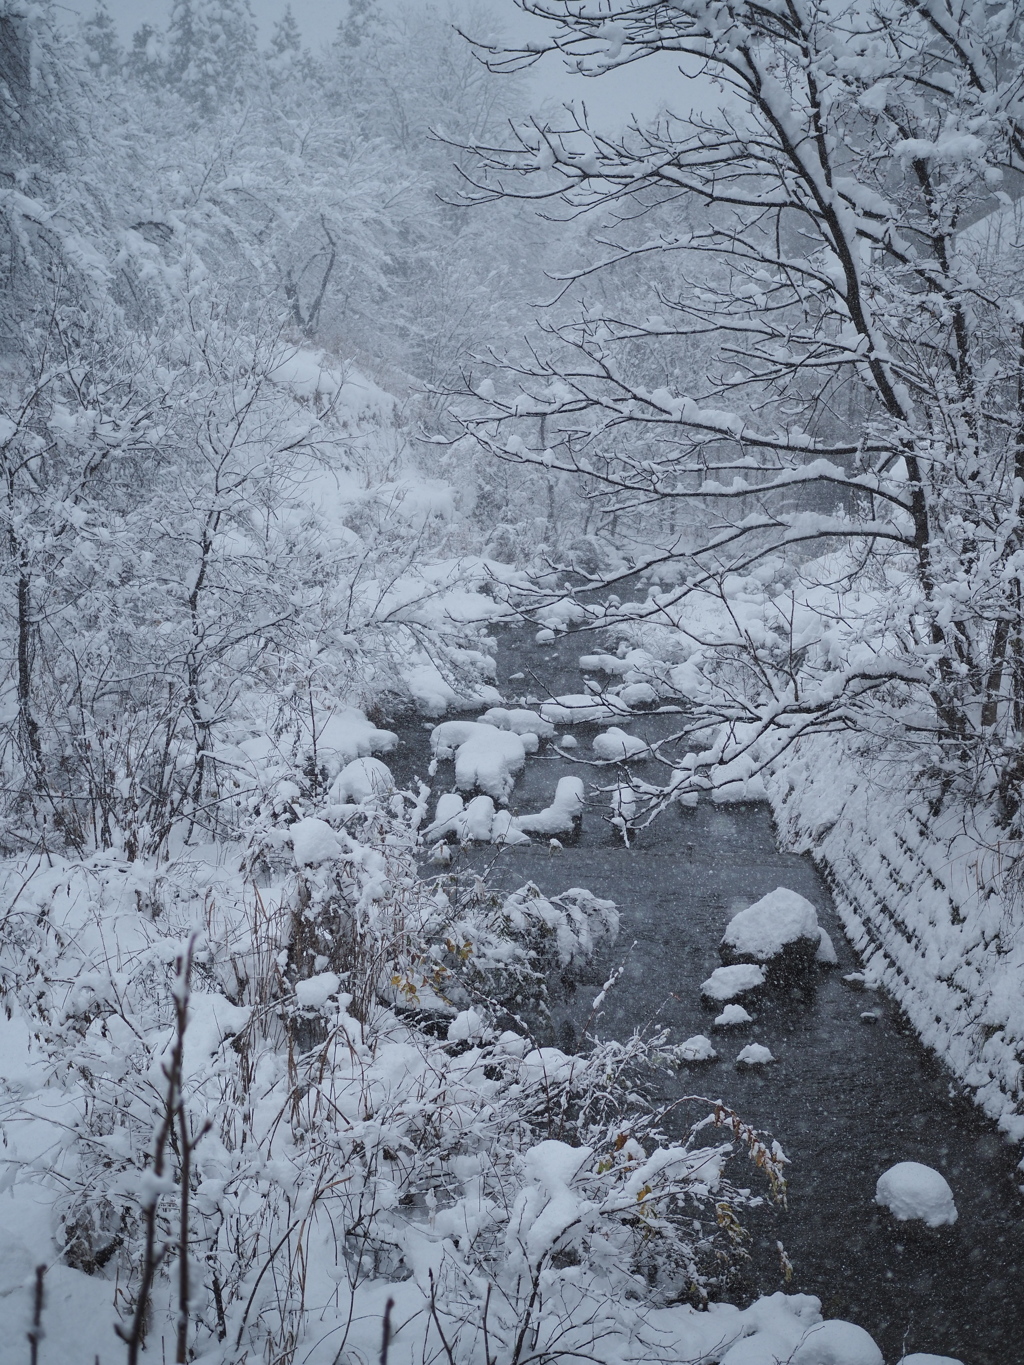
920 898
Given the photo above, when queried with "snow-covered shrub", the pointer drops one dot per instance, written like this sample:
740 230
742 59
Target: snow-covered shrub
259 1110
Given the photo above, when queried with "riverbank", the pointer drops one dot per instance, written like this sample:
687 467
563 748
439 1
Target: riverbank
919 896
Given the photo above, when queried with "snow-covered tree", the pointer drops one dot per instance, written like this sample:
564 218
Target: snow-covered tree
846 220
99 32
211 45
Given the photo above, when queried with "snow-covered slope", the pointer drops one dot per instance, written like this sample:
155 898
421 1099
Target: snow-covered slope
918 896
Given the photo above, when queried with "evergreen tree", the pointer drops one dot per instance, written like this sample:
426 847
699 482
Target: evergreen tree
145 60
286 41
358 26
211 46
103 50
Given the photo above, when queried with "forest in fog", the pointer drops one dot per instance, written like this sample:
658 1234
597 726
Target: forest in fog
321 369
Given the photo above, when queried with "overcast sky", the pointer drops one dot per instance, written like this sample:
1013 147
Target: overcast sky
641 90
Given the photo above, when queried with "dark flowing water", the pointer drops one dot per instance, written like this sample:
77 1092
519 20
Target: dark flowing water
846 1098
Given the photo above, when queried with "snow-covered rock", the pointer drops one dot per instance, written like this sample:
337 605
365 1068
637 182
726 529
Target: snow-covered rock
725 983
563 816
755 1054
347 734
923 1358
315 991
836 1343
914 1192
733 1016
485 757
577 708
519 720
780 929
504 831
447 813
545 636
364 779
472 823
616 745
826 955
313 841
638 694
695 1049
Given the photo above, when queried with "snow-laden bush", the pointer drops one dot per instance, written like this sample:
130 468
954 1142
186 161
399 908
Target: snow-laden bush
259 1104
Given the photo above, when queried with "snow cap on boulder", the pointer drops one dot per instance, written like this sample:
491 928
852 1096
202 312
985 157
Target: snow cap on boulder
914 1192
835 1342
725 983
781 927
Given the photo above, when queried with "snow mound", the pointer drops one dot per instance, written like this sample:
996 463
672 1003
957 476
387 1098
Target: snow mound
364 779
616 745
837 1343
519 720
826 954
755 1054
469 824
578 708
503 830
604 663
346 735
545 636
313 841
695 1049
726 983
922 1358
780 923
315 991
910 1190
638 694
732 1016
563 816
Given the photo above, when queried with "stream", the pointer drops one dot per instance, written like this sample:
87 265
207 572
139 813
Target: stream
847 1097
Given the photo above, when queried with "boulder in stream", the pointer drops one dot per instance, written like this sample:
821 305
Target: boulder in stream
726 983
837 1343
913 1192
779 932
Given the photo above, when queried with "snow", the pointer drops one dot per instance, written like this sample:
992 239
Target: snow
923 1358
914 1192
315 991
638 694
346 735
519 720
732 1017
485 757
755 1054
780 920
616 745
564 814
504 831
837 1343
826 954
364 779
313 841
727 982
579 708
545 636
695 1049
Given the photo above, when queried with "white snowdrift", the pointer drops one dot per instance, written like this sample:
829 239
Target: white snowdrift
564 814
364 779
837 1343
725 983
313 841
616 745
695 1049
913 1192
485 757
755 1054
781 920
519 720
579 708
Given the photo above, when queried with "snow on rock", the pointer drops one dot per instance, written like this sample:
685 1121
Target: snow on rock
780 928
638 694
346 735
563 816
732 1017
695 1049
914 1192
604 663
477 821
485 757
755 1054
364 779
918 896
447 813
836 1343
616 745
315 991
725 983
567 742
313 841
923 1358
578 708
503 830
519 720
545 636
826 955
